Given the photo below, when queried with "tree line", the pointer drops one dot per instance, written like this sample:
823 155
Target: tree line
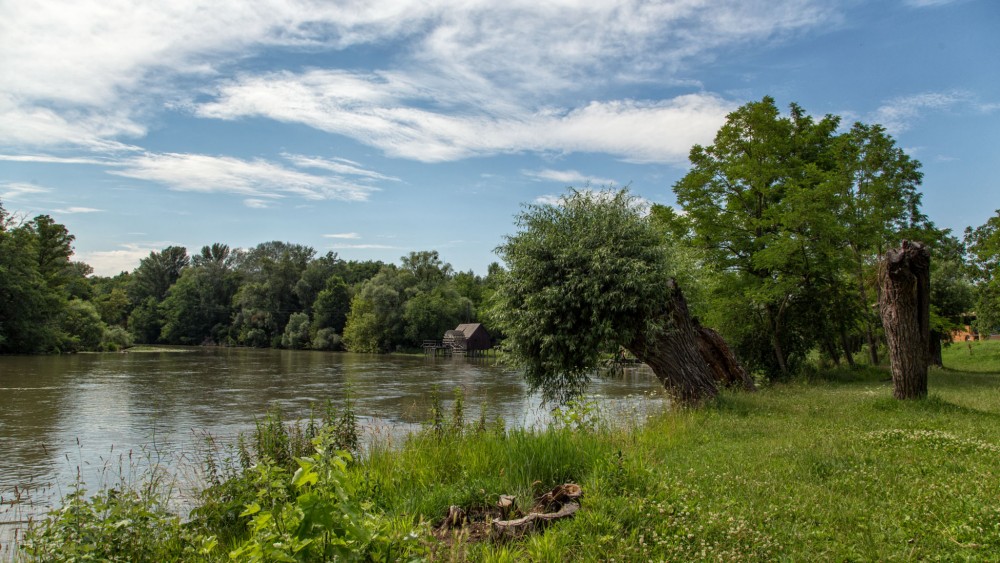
276 294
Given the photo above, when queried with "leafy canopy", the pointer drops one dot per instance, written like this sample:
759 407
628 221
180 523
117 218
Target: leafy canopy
584 277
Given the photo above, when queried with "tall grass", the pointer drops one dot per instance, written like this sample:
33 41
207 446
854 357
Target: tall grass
828 467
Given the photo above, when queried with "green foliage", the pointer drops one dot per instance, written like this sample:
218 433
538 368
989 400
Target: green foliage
82 326
983 246
585 276
296 334
114 525
327 339
331 306
793 217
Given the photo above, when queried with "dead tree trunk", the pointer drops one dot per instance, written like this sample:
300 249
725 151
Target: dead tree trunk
686 360
904 302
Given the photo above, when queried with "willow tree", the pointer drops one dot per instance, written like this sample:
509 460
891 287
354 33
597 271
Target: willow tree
588 276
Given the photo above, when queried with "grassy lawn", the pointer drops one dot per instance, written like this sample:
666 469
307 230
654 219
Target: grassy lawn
831 469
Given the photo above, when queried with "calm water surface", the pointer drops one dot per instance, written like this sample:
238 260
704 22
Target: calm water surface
83 415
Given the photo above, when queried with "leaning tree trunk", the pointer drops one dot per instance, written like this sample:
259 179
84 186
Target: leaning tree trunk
904 302
687 359
726 369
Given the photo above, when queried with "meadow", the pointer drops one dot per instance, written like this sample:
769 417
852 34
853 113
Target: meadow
825 467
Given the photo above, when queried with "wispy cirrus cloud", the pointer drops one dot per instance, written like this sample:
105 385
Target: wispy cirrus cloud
643 131
567 177
899 114
15 190
349 236
341 166
52 159
75 210
255 179
361 246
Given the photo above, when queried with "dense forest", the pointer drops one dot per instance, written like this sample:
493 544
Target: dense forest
780 225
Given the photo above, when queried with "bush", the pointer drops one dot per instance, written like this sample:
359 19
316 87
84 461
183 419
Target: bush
116 338
296 334
327 339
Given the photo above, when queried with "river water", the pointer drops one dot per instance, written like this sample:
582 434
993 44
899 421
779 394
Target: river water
99 418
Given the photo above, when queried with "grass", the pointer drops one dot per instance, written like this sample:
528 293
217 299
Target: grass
830 469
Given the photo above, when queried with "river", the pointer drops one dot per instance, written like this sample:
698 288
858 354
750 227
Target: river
103 417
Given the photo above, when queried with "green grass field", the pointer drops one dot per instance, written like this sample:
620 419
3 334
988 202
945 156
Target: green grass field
830 469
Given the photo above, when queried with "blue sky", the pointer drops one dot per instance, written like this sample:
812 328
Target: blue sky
375 128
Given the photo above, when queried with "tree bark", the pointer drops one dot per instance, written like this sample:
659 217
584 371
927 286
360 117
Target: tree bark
846 344
904 303
934 350
675 354
726 369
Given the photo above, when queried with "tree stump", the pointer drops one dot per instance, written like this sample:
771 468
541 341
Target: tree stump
904 303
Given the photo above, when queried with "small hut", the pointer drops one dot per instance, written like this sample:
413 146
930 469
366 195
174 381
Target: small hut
469 339
475 336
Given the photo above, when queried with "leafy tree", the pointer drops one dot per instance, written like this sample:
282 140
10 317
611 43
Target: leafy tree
82 327
198 307
29 305
795 217
54 248
983 247
157 272
272 271
429 314
331 306
375 323
586 277
296 334
744 197
314 279
879 207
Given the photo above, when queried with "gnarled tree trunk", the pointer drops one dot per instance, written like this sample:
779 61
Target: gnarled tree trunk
904 302
687 359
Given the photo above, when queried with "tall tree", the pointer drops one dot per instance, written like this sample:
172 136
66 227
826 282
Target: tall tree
745 197
880 205
983 247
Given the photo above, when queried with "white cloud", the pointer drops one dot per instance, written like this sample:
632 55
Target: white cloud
256 203
15 190
568 177
91 73
124 259
642 131
360 246
928 3
341 166
50 159
343 236
898 114
255 179
74 210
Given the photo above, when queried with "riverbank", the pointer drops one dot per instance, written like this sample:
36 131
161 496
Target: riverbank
826 469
